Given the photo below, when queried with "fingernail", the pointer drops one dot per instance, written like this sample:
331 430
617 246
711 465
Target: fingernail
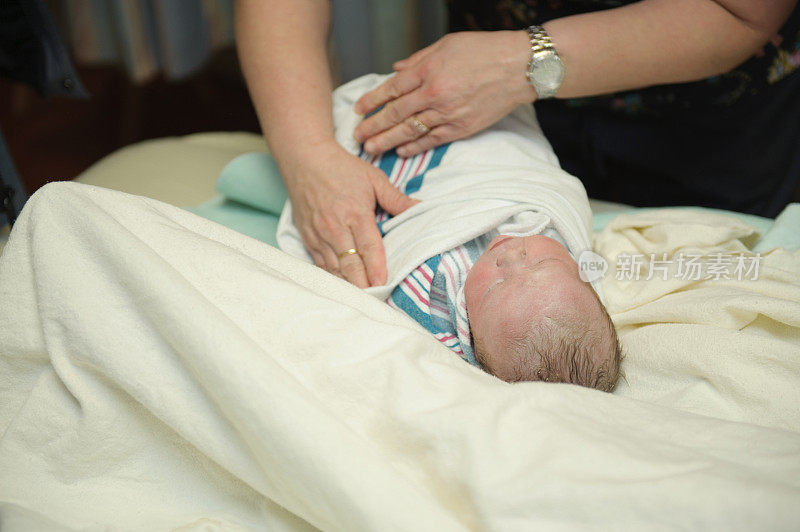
402 152
369 146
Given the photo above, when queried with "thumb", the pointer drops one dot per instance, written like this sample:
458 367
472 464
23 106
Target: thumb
391 199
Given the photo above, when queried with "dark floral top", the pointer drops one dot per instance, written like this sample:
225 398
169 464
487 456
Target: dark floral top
779 59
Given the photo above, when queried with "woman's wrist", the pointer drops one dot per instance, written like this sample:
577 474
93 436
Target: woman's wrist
522 92
306 154
651 42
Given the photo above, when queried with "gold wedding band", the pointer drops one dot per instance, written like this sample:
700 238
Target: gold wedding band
422 128
351 251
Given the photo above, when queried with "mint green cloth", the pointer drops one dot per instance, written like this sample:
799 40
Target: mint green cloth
251 222
253 179
252 194
784 232
251 197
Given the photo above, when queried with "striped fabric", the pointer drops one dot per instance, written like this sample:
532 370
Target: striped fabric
433 294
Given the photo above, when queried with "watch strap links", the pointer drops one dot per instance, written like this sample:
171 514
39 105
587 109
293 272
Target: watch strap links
540 41
541 45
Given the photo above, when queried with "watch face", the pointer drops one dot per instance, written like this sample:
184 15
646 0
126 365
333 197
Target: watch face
548 71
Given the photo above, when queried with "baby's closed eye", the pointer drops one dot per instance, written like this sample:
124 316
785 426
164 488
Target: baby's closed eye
495 283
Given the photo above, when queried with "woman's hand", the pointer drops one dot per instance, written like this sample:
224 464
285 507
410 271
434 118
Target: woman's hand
334 195
457 86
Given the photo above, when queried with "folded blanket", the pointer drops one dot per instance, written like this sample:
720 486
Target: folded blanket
158 371
715 341
481 182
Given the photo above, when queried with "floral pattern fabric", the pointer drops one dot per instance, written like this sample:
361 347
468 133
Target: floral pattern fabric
777 60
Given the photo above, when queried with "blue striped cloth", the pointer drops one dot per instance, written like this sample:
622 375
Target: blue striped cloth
432 294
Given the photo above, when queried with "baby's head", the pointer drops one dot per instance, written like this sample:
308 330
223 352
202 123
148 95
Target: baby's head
533 319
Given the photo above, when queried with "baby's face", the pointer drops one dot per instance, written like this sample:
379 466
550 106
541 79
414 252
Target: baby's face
514 281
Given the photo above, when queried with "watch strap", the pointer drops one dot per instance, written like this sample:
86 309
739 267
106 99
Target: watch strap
540 41
541 45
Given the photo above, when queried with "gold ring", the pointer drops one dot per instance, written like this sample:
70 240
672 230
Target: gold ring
351 251
422 128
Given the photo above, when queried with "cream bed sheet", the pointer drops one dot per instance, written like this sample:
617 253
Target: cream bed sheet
159 371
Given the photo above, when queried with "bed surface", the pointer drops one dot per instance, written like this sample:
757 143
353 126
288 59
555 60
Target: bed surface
182 171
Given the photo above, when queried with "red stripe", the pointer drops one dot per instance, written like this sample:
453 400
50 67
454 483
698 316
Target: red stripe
422 160
464 258
449 271
423 270
440 309
421 298
399 173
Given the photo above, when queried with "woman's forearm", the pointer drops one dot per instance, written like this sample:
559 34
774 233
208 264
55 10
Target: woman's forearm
283 52
656 42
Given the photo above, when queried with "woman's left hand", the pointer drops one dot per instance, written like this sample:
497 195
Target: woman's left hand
457 86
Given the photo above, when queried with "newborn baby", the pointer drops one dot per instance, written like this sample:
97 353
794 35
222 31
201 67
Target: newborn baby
485 262
509 301
533 318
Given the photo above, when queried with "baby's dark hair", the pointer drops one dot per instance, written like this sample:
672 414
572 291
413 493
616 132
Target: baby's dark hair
562 349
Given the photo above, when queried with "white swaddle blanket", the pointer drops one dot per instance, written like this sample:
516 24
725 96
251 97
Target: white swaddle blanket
504 171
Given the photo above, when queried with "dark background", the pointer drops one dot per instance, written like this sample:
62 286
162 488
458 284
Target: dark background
57 138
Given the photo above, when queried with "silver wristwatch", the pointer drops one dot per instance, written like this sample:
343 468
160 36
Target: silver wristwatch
545 69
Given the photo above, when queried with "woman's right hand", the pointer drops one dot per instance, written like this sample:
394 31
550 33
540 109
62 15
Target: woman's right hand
282 50
334 195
